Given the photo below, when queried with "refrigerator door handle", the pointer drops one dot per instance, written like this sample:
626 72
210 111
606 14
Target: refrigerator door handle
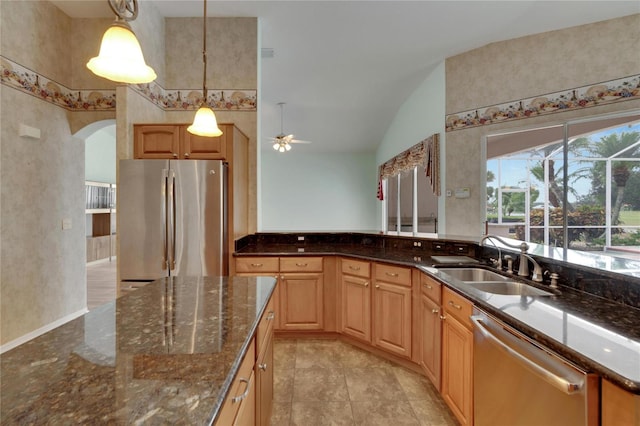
165 243
172 217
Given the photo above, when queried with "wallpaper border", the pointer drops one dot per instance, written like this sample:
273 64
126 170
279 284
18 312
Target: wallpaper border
19 77
607 92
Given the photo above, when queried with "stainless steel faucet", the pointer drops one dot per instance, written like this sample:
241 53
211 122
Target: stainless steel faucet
523 268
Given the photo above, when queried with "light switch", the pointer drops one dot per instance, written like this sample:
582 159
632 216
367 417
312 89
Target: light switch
66 223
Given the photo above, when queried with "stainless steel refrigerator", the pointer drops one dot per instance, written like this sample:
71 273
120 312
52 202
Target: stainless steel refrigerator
172 219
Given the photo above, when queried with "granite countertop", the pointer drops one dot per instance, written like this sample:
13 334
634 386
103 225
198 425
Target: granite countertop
597 334
164 354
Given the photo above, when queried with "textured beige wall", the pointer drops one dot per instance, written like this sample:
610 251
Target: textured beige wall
543 63
149 29
43 276
521 68
232 53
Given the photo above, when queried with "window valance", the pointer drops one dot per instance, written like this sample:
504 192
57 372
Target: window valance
425 153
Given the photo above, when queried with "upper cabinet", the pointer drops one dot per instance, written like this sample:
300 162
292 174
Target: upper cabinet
173 141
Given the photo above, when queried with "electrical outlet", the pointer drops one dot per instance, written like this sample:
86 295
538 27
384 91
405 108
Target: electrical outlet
301 238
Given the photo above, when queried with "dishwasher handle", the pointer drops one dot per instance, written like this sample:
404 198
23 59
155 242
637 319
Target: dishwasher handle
560 383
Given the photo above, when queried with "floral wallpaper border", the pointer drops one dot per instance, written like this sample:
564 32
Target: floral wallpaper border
582 97
28 81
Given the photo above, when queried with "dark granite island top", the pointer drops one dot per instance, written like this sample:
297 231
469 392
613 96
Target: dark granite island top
164 354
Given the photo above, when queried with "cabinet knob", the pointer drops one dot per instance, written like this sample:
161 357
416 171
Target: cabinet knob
366 284
377 286
263 367
442 317
186 155
435 311
175 155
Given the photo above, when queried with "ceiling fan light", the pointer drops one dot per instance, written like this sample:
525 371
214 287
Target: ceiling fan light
205 123
281 149
287 147
276 145
120 58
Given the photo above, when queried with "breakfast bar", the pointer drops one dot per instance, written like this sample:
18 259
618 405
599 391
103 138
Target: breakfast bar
167 353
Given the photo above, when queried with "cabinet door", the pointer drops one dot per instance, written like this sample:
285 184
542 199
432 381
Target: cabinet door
264 383
619 407
301 301
457 365
247 410
392 318
430 335
356 307
204 148
156 141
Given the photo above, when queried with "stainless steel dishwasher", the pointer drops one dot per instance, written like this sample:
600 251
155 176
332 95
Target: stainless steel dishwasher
518 382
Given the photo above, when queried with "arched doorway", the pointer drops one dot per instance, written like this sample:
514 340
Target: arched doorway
100 211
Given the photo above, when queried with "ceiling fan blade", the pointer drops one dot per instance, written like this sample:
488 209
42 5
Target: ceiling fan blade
298 141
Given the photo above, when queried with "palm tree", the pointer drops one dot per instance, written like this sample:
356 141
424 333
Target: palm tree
627 144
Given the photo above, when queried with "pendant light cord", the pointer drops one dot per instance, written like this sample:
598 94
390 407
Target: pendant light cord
204 54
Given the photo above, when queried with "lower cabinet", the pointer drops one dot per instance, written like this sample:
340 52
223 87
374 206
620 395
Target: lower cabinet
619 407
301 301
392 309
355 292
239 408
457 357
264 382
430 329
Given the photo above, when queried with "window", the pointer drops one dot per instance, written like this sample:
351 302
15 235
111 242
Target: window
579 191
411 185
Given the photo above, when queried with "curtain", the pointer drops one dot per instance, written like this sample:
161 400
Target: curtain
425 153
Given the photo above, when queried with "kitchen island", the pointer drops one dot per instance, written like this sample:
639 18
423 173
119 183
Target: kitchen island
164 354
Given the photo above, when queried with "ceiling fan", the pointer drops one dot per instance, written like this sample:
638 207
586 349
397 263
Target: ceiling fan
282 142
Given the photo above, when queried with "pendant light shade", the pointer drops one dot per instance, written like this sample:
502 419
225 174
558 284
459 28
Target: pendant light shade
205 123
120 58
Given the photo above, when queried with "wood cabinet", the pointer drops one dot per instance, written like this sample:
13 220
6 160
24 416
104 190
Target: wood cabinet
355 286
619 407
430 328
392 309
299 294
264 366
457 356
240 405
168 141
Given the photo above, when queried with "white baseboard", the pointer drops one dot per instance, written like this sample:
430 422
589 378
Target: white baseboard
35 333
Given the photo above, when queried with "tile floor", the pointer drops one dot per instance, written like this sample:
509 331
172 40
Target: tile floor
330 382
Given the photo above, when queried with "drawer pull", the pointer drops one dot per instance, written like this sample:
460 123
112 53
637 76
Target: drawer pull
270 316
354 268
256 265
455 305
428 287
391 274
263 367
435 310
239 398
302 265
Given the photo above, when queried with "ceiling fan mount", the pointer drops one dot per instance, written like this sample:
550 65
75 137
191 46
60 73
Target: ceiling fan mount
282 142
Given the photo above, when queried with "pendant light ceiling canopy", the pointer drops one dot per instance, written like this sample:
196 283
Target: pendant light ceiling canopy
120 58
204 123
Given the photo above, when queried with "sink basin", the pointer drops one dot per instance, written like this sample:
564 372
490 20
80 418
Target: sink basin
473 274
510 288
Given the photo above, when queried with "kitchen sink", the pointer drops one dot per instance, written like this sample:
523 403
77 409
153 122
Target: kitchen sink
473 274
492 282
510 288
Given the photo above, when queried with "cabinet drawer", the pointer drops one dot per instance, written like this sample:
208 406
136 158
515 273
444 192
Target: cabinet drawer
358 268
267 265
265 325
393 274
300 264
457 306
430 288
240 386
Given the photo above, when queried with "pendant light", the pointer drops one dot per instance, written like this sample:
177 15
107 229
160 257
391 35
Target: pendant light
204 123
120 58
